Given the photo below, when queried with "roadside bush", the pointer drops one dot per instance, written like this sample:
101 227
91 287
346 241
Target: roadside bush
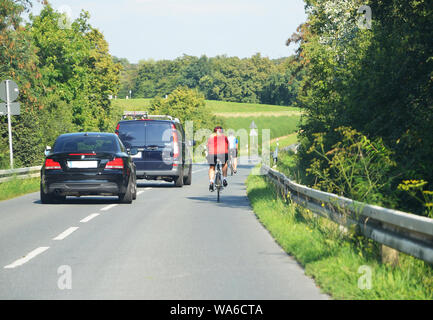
355 167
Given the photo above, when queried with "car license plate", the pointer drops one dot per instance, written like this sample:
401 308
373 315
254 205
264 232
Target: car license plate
137 156
82 164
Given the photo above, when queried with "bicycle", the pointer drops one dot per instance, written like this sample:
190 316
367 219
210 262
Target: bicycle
230 162
218 179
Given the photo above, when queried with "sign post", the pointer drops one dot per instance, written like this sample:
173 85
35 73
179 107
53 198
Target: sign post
9 92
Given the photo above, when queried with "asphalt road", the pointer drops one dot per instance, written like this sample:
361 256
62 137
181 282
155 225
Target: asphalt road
171 243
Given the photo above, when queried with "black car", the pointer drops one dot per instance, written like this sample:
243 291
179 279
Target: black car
161 146
88 164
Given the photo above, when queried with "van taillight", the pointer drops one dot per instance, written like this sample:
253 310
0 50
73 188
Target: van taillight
117 129
50 164
175 142
117 163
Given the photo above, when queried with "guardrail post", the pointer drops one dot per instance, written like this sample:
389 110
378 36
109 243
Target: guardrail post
389 255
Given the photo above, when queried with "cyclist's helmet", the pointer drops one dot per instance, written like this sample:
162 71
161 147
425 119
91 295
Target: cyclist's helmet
218 129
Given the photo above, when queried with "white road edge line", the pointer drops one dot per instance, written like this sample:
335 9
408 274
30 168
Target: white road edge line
26 258
65 233
90 217
109 207
139 192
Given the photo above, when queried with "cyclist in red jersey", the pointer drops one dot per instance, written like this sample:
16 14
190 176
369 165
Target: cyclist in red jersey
218 148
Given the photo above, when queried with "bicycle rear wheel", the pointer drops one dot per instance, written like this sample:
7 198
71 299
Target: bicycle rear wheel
218 184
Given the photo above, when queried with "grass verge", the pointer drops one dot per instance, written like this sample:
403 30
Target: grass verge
338 262
18 187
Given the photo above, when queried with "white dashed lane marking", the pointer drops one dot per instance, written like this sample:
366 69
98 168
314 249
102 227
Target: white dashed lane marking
27 258
109 207
90 217
61 236
65 233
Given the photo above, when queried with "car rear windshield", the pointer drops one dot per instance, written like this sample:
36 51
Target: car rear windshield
144 133
86 144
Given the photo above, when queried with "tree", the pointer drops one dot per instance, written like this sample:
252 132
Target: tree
186 105
377 81
76 64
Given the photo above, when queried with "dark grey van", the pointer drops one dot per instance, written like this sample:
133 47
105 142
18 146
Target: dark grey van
160 142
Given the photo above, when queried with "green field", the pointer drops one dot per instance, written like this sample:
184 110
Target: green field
132 104
215 106
284 141
224 106
278 126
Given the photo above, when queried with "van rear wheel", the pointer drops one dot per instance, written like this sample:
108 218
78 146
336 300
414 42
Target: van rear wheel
178 181
187 180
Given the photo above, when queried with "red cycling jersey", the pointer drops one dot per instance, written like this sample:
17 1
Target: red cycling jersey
218 144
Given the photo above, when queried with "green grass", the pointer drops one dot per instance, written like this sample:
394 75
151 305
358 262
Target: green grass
18 187
215 106
132 104
278 126
332 258
224 106
285 141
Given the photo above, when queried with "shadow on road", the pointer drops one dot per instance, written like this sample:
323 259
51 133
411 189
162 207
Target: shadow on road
155 185
84 200
226 200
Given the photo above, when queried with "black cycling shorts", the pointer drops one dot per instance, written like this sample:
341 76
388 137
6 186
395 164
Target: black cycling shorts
212 158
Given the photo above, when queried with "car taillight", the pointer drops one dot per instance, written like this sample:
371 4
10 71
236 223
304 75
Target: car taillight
50 164
117 163
175 142
117 129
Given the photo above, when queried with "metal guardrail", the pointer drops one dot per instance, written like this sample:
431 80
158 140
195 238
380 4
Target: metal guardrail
22 173
405 232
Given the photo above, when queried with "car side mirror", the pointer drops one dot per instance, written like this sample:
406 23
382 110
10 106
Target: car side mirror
47 150
133 152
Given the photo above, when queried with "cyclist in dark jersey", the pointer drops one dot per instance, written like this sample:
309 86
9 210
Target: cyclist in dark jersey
217 147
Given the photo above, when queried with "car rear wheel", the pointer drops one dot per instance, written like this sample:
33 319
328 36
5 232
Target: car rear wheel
128 196
46 197
134 193
187 180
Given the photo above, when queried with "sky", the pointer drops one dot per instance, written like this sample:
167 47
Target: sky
166 29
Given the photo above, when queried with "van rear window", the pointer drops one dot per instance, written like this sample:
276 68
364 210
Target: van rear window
157 132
